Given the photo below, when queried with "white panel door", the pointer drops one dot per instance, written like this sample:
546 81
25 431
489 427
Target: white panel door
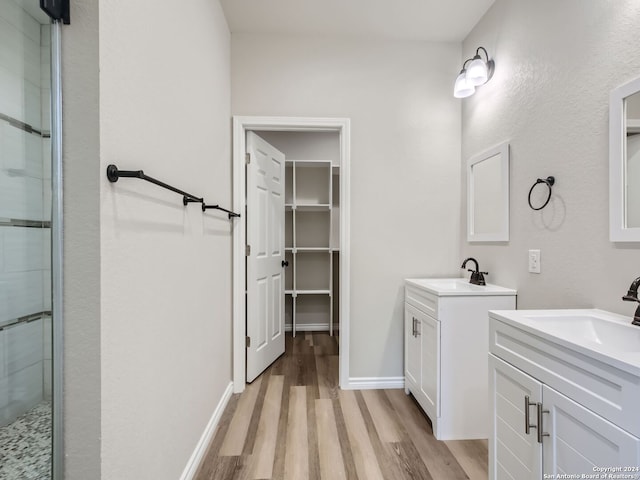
265 272
514 454
581 441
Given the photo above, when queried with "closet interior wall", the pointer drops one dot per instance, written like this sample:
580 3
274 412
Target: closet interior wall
312 222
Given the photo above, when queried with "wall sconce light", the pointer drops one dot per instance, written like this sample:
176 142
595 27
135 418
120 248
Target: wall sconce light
478 73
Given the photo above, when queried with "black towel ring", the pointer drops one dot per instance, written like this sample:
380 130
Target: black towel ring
549 181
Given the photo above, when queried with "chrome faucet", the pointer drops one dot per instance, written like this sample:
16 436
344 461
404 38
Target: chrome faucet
477 277
632 296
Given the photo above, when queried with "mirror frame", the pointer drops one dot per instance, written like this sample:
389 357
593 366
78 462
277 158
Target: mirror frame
503 234
618 231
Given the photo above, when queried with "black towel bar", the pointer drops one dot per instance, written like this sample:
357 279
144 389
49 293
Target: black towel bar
113 174
206 207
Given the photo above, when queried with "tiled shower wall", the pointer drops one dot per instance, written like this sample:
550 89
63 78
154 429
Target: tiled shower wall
25 191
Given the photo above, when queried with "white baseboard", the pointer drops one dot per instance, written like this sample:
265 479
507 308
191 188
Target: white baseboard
309 327
375 383
201 448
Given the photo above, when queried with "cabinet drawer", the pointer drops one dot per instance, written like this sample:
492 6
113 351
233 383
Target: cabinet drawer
426 302
606 390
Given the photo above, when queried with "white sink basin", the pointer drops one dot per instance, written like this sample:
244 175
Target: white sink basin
458 286
596 329
608 336
453 284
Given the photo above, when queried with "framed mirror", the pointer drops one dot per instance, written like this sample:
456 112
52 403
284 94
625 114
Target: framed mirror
488 195
624 163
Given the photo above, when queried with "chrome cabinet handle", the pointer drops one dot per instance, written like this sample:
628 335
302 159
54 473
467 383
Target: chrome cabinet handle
414 326
540 432
527 420
417 329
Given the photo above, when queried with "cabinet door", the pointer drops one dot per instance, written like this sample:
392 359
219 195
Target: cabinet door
411 347
580 440
429 334
513 453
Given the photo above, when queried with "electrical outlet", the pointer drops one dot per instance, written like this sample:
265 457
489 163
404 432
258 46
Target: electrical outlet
534 261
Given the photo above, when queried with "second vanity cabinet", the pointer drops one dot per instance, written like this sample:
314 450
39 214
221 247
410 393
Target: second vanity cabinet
446 334
553 409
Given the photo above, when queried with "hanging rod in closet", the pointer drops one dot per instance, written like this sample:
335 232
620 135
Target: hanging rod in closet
113 174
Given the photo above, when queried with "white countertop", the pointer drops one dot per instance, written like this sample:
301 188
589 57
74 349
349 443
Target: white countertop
599 334
444 287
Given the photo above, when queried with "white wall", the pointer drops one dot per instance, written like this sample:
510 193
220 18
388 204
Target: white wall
166 269
148 299
82 176
556 63
305 145
405 164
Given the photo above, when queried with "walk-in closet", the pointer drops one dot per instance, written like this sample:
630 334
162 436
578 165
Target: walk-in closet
312 223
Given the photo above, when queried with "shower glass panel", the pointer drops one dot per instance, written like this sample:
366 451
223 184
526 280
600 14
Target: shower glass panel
25 242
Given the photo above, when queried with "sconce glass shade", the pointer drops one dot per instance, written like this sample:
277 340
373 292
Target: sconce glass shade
477 73
462 87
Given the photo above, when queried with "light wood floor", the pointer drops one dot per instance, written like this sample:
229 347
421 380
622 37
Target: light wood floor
294 423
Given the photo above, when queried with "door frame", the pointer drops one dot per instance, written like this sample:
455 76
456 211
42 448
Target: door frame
242 124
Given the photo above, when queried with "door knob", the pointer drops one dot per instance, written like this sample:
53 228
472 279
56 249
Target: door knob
285 263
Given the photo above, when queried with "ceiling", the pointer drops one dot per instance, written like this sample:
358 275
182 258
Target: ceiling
428 20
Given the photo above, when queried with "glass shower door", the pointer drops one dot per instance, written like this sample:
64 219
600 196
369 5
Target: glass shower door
25 242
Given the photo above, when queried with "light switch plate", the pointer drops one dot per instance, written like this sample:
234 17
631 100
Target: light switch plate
534 261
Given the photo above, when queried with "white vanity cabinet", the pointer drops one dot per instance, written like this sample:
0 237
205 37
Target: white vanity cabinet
540 424
422 353
412 350
446 330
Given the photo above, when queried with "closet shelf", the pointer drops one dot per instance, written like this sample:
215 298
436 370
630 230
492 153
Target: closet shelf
633 125
309 196
295 293
309 163
308 207
313 207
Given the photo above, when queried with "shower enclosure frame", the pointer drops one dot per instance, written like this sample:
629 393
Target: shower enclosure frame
57 410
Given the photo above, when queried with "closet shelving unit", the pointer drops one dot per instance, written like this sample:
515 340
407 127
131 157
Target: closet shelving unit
633 126
311 211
